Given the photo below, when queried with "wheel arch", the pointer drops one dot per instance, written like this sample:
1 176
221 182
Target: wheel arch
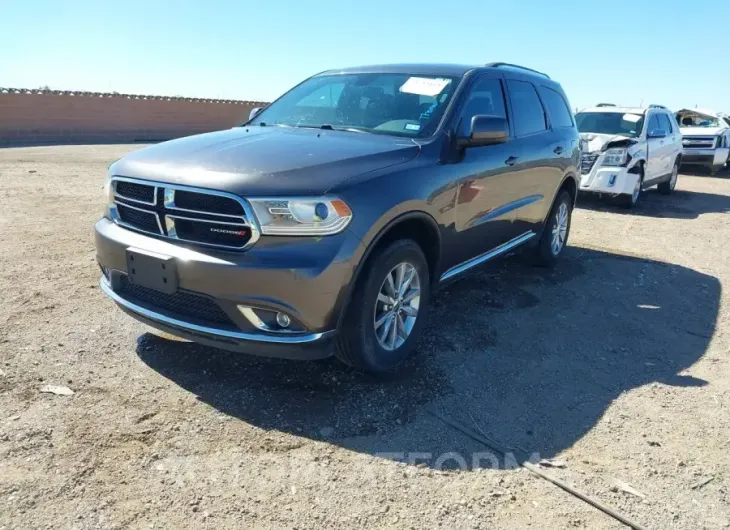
404 225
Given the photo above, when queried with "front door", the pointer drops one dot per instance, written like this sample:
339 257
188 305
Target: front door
487 188
656 152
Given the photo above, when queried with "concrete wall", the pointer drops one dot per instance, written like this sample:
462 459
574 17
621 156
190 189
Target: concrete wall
50 117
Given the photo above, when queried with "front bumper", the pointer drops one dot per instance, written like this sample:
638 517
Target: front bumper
608 180
306 278
712 158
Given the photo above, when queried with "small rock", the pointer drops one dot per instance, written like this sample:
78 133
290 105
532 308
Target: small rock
548 462
654 443
57 390
619 485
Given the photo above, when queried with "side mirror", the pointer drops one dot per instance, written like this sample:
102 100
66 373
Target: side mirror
657 133
486 130
254 112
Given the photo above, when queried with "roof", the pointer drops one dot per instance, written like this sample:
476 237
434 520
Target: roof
621 110
704 112
412 68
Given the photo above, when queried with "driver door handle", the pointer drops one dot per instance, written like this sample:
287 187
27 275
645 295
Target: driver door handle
511 161
558 150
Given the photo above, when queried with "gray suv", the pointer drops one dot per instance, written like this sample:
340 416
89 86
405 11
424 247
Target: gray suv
324 223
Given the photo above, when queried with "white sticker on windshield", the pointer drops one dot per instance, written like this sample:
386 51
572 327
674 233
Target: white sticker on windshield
412 127
424 86
633 118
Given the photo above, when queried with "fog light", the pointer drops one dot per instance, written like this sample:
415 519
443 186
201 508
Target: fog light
283 320
612 179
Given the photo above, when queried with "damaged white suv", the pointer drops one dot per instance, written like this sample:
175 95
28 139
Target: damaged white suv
627 150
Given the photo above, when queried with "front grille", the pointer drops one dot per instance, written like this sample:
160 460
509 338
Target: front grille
199 216
699 142
207 203
227 235
587 161
134 191
141 219
183 304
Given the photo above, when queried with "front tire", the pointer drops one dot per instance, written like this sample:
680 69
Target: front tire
555 233
629 201
668 187
388 309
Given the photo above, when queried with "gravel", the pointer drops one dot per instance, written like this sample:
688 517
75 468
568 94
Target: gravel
614 364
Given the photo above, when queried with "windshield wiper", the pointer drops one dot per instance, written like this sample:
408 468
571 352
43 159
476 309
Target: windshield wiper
328 127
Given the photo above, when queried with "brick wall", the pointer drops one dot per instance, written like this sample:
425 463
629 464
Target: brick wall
49 117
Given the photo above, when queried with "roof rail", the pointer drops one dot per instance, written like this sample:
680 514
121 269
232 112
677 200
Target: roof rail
510 65
657 107
605 105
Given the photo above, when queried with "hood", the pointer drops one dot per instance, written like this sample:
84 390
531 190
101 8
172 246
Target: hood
260 161
701 131
594 142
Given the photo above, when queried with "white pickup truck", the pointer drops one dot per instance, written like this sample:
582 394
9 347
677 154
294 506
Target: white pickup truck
705 138
627 150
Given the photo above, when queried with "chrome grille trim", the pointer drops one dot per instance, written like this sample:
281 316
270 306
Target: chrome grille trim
113 211
248 220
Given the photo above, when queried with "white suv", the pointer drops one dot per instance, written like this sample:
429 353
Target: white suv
706 138
627 150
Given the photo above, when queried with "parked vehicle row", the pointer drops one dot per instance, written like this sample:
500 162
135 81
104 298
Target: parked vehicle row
323 224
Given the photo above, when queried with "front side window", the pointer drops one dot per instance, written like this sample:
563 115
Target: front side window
381 103
653 124
560 115
529 116
613 123
665 123
485 97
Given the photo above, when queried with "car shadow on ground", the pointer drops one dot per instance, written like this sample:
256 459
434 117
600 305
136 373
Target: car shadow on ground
534 357
679 204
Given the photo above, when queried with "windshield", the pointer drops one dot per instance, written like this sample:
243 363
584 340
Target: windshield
615 123
695 120
386 103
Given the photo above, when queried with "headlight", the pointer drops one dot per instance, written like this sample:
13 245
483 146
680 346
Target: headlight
615 157
317 216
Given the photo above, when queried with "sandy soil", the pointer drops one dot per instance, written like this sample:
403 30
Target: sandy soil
614 363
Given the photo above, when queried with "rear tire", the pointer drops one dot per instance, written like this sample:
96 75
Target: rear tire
668 187
555 233
377 333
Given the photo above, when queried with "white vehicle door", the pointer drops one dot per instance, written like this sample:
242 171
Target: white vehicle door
655 150
673 141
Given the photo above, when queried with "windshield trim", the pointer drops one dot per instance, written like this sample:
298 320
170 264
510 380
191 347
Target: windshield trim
458 80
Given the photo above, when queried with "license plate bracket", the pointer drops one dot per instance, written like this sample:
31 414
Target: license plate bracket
154 271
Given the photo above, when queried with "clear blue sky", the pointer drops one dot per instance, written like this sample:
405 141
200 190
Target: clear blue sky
662 51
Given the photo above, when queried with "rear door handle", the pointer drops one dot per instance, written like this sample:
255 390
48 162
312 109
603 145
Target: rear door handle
511 161
558 150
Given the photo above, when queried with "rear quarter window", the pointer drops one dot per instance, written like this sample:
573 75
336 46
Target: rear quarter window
560 115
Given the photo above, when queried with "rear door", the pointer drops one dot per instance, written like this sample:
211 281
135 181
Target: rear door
539 171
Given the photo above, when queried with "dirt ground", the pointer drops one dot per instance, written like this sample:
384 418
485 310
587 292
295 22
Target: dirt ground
615 364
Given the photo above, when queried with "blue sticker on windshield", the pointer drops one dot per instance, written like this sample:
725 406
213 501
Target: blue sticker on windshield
412 127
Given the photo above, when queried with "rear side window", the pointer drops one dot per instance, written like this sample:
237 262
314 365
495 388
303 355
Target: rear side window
485 97
560 115
529 116
665 123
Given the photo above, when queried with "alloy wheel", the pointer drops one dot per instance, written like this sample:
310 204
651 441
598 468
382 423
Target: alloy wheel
560 229
396 308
